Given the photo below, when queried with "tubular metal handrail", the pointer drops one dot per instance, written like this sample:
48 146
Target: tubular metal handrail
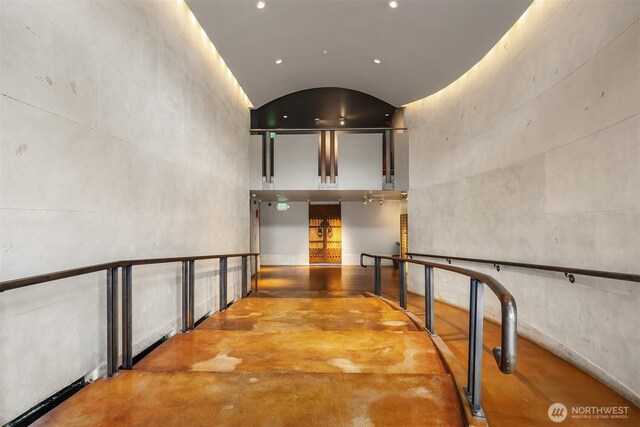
505 354
111 268
568 271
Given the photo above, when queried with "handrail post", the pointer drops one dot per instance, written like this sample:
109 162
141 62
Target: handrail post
377 277
192 293
403 285
474 378
223 283
257 273
429 314
112 321
244 276
185 296
127 318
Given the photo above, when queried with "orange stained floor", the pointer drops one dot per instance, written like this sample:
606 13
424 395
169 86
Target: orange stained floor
308 349
520 399
323 360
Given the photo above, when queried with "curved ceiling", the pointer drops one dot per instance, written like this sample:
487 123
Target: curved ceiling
422 45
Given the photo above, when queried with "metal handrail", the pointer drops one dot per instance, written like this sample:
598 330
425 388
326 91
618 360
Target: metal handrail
8 285
569 272
504 355
111 268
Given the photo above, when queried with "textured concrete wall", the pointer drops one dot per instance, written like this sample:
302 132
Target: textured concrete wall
534 155
123 135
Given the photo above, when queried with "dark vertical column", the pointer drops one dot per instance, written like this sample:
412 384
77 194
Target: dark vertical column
112 321
265 167
127 318
257 275
223 283
428 299
322 157
244 276
185 296
377 277
475 389
192 293
272 171
332 156
403 285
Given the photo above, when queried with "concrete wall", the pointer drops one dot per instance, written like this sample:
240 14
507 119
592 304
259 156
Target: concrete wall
534 156
122 136
284 235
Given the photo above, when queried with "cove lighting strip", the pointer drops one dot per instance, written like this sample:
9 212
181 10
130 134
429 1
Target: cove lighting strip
192 18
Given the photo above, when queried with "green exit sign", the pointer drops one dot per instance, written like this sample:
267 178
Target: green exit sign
282 206
272 135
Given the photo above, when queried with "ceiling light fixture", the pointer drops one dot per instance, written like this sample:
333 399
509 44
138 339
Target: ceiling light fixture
284 117
377 61
278 61
317 120
325 52
261 5
341 121
393 4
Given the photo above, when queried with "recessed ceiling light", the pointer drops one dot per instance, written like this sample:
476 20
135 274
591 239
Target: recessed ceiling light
325 51
284 117
392 4
341 121
386 115
278 61
261 5
377 61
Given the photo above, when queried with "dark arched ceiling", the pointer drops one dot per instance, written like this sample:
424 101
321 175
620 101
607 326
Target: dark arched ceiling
328 105
423 45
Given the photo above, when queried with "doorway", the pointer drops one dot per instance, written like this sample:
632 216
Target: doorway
325 234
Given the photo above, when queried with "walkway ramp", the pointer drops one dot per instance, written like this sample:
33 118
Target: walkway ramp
280 362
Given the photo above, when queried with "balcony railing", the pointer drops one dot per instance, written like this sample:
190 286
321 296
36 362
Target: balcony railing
505 354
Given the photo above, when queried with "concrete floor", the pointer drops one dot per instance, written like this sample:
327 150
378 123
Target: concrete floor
286 361
299 352
517 400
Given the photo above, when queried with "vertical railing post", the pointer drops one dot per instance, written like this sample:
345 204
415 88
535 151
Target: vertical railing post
244 276
403 285
257 274
429 314
474 378
192 293
185 296
127 318
377 286
112 321
223 283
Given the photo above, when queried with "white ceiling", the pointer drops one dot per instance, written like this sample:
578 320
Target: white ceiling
423 44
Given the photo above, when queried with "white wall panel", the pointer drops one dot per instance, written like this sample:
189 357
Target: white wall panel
296 162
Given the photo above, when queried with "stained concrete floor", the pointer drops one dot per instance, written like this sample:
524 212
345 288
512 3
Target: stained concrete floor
300 353
276 360
518 400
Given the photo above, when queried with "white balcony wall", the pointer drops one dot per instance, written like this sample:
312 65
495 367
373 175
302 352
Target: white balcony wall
360 161
296 162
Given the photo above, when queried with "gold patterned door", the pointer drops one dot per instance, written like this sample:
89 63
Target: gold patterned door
325 234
